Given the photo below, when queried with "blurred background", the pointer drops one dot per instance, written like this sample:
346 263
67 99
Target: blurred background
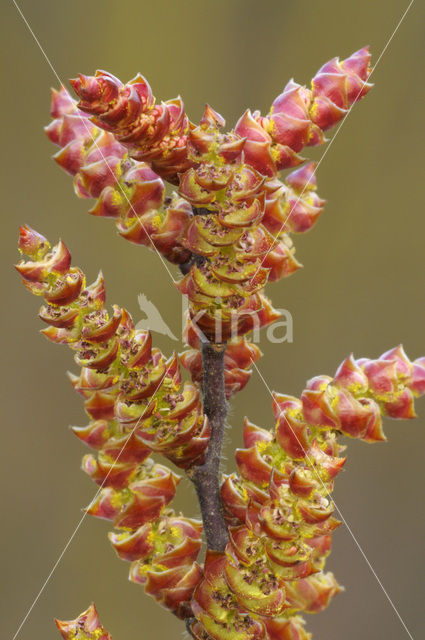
362 289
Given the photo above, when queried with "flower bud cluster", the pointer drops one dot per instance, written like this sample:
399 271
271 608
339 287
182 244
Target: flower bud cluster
151 132
230 225
363 390
123 376
226 280
292 206
238 358
86 627
245 213
299 116
280 521
163 560
137 405
126 190
225 286
245 628
278 505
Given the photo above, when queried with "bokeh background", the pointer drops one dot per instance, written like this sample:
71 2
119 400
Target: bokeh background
362 288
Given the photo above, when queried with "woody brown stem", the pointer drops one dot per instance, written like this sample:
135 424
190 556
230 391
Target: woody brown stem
206 477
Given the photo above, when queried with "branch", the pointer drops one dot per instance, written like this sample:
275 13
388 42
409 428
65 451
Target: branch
206 477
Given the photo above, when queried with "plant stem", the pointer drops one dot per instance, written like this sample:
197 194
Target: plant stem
206 476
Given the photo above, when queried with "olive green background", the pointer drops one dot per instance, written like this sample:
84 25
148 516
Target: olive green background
362 289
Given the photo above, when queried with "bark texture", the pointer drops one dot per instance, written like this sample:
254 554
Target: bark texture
206 477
